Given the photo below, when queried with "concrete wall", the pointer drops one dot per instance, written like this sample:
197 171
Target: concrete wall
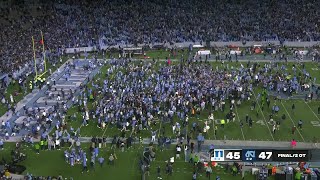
212 44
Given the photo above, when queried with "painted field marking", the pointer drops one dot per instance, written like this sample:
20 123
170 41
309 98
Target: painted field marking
292 120
263 115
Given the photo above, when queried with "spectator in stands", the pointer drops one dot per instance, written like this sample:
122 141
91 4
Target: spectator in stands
80 23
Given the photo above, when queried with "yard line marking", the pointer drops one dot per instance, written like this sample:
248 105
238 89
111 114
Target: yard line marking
263 115
292 120
159 129
77 134
132 131
105 129
312 111
214 129
213 126
235 107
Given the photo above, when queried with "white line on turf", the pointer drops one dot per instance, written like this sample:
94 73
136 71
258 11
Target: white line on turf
104 132
235 107
307 103
292 120
264 118
312 111
159 129
77 134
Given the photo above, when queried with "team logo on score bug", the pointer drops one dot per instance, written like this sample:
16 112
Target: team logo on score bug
218 155
249 155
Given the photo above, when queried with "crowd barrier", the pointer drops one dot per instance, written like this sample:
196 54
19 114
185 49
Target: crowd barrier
301 44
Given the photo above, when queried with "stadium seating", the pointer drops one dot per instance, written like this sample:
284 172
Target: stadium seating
87 23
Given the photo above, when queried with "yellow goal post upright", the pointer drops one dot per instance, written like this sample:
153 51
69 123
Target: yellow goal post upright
35 59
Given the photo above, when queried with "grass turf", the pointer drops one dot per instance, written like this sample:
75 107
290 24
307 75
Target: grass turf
261 129
52 163
126 167
13 87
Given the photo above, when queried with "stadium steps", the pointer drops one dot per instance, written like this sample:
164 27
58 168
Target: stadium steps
74 85
51 102
64 88
55 93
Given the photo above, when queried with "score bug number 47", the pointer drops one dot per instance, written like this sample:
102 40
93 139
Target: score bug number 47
265 155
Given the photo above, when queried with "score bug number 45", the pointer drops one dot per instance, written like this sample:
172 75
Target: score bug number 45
233 155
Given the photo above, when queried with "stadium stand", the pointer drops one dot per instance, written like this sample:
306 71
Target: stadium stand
89 23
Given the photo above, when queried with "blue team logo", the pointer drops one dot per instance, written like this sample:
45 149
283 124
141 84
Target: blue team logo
249 155
218 155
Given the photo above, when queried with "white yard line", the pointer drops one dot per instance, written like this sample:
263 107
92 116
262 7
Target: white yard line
213 127
312 111
264 118
292 121
159 128
308 104
235 107
77 134
105 130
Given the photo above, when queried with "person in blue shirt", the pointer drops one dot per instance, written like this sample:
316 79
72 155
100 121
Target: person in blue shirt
66 156
200 139
84 163
96 151
211 148
101 161
276 109
72 159
93 161
1 144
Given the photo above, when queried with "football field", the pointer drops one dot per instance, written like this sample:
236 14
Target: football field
126 166
261 130
234 129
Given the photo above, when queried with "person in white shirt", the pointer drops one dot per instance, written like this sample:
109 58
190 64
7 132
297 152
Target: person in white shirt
153 136
58 98
173 128
58 144
178 152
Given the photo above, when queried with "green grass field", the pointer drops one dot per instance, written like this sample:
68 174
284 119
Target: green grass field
52 163
13 87
261 130
126 167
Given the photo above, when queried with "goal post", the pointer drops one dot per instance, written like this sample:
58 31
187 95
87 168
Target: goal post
43 57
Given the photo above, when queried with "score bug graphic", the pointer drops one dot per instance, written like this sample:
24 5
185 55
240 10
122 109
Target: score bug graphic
233 155
256 155
248 155
218 155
